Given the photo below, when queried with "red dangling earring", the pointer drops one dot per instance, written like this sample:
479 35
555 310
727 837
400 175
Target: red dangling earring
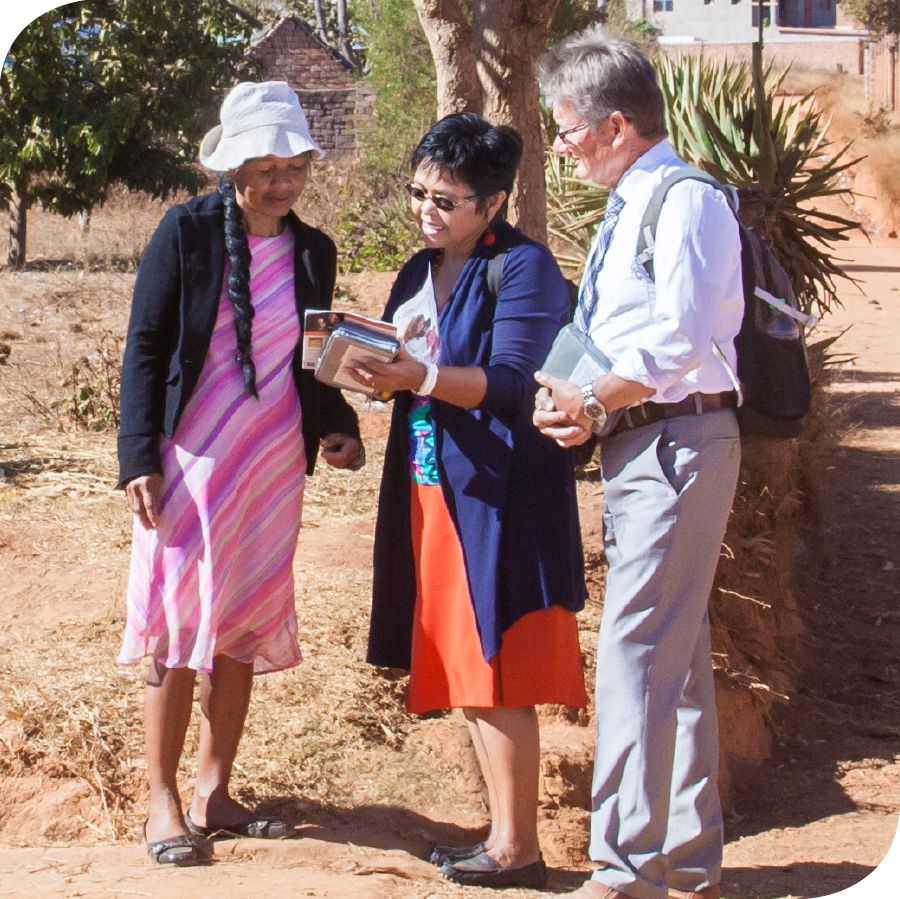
489 237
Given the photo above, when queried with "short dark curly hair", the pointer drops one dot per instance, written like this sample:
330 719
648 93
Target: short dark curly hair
468 148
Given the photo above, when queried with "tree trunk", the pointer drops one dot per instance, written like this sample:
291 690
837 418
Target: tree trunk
509 39
490 66
450 39
18 209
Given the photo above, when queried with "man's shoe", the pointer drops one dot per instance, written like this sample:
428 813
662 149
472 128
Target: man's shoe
713 891
482 871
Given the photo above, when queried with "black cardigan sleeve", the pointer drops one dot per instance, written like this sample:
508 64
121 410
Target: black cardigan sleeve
325 411
152 330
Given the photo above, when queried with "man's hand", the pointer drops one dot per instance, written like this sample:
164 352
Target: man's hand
566 397
559 411
342 451
142 497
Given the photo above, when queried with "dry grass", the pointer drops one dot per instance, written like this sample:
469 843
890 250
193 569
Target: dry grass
63 334
120 229
115 239
331 733
875 133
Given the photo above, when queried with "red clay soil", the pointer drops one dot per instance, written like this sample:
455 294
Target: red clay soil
819 817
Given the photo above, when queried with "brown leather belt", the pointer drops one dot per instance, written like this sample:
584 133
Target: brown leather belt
694 404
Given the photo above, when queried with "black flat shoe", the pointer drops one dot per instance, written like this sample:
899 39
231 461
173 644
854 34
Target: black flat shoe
482 871
181 850
260 829
441 854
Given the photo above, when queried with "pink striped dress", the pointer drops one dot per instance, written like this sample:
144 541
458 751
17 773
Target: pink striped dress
216 576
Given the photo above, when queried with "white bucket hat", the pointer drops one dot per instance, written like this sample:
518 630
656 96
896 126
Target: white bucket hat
258 119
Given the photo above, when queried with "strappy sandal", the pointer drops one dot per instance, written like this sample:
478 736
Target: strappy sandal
260 829
181 850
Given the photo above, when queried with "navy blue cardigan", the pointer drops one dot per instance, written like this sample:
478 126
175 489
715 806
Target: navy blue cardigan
509 490
173 312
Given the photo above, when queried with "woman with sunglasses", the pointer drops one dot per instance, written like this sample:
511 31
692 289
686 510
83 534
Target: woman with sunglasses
478 562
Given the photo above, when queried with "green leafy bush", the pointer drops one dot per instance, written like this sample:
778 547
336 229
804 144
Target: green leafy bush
401 72
374 232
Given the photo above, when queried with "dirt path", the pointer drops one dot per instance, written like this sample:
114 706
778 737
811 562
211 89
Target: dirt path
825 809
820 818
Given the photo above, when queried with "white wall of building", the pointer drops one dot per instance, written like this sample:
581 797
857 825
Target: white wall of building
727 20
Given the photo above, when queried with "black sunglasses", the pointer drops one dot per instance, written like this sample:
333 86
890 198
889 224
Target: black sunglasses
445 204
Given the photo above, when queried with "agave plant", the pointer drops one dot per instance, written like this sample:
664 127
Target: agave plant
726 118
573 209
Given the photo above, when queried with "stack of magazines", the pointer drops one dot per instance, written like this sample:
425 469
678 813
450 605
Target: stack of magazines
334 342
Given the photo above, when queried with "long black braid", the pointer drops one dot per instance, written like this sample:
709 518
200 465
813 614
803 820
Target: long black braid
239 281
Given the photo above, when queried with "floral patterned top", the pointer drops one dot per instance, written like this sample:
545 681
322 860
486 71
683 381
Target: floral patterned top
422 456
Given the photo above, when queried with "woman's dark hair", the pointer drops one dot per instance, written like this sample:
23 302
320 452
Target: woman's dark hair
239 280
468 148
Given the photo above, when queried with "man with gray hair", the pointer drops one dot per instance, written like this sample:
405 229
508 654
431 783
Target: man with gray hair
669 468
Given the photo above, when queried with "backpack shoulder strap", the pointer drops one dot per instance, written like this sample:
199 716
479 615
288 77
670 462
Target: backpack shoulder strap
647 234
495 272
647 238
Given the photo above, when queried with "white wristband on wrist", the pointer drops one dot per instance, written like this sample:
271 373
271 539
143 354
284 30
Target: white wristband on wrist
431 376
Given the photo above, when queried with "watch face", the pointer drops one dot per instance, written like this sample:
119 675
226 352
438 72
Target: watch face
593 408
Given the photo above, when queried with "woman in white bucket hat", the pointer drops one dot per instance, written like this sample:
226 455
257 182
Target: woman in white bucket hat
220 425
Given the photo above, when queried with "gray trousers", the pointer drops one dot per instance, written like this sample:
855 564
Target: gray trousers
656 818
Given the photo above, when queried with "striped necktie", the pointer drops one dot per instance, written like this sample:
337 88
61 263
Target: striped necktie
587 292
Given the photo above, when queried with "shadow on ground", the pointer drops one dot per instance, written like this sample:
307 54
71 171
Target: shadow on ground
767 882
853 629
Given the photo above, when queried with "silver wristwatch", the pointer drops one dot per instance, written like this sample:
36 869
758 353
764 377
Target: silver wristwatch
593 408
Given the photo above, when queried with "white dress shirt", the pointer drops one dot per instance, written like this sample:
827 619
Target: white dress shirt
661 335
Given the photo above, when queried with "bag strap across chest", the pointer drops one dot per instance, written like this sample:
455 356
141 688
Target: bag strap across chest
647 234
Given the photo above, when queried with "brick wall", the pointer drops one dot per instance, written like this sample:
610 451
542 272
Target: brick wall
336 117
335 104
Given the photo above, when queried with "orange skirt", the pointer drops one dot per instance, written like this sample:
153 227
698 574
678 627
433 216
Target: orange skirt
538 662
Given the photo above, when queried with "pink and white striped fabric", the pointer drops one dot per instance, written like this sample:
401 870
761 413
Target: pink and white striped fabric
216 578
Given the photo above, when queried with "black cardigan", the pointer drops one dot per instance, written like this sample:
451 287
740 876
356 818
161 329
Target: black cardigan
173 312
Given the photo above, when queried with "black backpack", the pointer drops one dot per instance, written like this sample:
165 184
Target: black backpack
772 372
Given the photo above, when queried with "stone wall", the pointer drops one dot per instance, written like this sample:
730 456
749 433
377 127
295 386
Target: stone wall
878 60
336 105
336 116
